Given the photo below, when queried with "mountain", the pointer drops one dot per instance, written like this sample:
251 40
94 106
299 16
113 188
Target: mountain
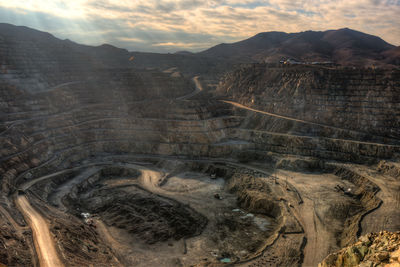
392 56
183 53
35 45
343 46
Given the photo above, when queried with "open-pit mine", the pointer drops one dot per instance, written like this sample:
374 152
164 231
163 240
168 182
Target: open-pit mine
113 158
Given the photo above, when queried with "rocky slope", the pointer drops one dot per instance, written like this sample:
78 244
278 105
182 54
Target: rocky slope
376 249
362 100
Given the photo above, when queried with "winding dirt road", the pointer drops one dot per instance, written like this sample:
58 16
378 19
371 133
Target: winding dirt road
238 105
44 243
60 86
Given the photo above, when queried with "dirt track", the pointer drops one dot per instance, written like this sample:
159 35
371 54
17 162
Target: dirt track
308 186
238 105
44 243
195 190
383 217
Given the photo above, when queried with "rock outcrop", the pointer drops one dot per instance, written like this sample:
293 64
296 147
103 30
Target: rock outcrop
377 249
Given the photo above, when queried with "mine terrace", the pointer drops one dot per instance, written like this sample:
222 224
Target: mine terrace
117 158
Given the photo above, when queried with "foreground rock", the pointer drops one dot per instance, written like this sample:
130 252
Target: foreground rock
377 249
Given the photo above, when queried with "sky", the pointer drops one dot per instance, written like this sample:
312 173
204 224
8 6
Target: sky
195 25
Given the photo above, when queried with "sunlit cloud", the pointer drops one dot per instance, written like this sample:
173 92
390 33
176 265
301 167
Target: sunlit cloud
186 46
68 9
172 25
130 39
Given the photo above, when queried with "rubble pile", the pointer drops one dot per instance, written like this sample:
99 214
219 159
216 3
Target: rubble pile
373 250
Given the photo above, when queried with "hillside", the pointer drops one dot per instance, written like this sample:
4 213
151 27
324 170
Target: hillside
33 45
343 46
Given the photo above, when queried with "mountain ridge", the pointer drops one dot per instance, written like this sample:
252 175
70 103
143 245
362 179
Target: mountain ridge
343 46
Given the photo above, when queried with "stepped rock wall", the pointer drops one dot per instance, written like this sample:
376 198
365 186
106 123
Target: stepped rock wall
363 100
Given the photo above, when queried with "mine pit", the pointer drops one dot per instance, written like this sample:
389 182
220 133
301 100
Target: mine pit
148 210
118 158
142 211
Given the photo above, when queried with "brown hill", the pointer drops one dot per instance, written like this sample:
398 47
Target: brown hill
37 44
343 46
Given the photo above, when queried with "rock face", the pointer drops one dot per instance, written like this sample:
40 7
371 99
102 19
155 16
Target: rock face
377 249
363 100
353 105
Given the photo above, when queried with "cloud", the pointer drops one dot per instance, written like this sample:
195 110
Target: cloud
185 45
130 39
171 25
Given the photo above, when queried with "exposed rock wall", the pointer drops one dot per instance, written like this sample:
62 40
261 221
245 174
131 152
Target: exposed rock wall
331 113
377 249
364 100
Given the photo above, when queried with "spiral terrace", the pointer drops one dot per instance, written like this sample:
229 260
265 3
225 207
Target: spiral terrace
111 162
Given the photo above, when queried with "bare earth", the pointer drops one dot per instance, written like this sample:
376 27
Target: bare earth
44 243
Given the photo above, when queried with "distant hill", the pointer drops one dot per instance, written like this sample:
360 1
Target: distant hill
392 56
34 45
343 46
183 53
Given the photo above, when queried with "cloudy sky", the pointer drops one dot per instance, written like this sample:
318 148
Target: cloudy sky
174 25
